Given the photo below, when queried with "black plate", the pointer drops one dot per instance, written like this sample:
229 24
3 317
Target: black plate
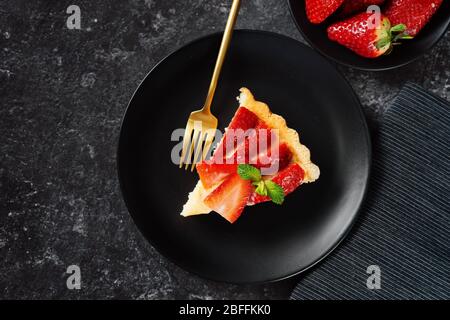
316 35
268 242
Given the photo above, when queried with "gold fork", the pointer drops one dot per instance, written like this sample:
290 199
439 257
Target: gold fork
202 124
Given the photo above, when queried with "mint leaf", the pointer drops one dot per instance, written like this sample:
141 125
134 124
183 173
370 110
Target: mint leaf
249 172
260 188
274 191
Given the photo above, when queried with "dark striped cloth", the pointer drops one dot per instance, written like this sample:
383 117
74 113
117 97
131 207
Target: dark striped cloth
403 227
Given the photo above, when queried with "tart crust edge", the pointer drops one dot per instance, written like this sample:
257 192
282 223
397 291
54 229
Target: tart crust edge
301 153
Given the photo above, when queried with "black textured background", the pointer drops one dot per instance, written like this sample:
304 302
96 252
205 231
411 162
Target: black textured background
62 95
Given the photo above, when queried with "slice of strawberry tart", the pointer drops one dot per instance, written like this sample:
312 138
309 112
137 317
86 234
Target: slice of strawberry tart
258 159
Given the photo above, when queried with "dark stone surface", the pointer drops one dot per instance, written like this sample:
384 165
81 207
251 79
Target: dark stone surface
63 93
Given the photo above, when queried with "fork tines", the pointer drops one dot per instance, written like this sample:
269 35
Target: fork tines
196 139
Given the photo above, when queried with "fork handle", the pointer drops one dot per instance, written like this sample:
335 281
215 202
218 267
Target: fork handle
222 53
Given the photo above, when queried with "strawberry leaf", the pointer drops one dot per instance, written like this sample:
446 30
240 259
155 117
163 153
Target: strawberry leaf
398 28
383 42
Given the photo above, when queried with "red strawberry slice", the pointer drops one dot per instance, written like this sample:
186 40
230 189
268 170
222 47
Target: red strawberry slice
318 10
264 132
263 147
217 169
289 179
243 152
260 141
361 36
264 157
415 14
270 158
230 198
353 6
212 173
243 119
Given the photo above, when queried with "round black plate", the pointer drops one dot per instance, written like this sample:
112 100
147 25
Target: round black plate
268 242
316 35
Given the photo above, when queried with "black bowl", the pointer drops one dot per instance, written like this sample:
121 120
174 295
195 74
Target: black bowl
316 35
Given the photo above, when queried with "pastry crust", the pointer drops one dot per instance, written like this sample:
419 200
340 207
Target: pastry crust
301 153
195 205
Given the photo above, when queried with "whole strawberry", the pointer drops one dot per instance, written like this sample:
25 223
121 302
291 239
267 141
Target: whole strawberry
415 14
318 10
353 6
361 35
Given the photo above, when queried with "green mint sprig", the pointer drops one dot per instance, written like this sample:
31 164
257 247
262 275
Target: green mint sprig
262 187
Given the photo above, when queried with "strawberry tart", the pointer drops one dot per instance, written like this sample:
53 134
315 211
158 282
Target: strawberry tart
244 172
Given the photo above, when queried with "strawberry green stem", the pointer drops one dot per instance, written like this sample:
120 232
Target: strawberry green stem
395 33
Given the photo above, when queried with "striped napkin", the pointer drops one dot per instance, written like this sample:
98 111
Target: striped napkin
399 246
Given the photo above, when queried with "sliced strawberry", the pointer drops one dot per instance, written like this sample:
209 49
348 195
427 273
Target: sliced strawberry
265 157
257 142
284 156
230 198
217 170
272 159
318 10
242 153
289 179
415 14
264 132
212 173
243 119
